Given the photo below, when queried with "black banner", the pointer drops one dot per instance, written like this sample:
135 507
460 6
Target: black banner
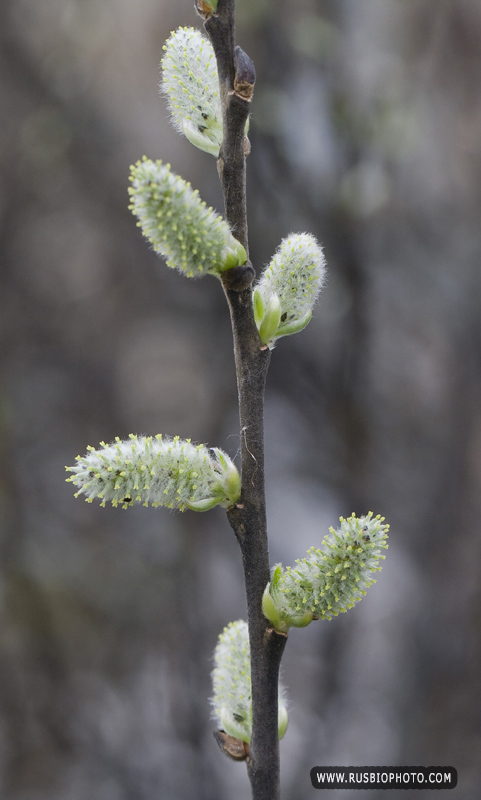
384 777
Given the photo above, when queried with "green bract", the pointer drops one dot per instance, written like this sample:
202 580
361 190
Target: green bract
192 237
191 85
231 679
288 288
157 471
332 579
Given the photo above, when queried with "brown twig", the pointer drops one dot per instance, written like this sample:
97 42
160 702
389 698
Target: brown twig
248 517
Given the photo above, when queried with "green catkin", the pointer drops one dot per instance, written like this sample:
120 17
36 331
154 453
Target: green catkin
193 238
231 680
156 471
332 579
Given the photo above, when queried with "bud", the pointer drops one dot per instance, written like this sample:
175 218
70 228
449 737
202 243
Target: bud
291 282
161 472
192 237
332 579
205 8
191 85
231 678
244 74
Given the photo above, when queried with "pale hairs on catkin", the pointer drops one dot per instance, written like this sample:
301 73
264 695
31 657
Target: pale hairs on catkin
231 680
332 579
193 238
158 471
191 84
288 288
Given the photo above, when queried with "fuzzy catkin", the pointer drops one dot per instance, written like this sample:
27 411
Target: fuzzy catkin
192 237
332 579
295 275
191 84
158 471
231 680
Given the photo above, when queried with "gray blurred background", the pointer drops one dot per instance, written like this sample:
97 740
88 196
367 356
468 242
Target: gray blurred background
366 132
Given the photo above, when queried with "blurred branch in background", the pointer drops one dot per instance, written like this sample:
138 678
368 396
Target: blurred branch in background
366 128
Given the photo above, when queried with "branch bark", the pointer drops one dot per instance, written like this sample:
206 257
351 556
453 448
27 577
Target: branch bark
248 517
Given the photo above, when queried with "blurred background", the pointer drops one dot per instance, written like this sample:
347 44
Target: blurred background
366 128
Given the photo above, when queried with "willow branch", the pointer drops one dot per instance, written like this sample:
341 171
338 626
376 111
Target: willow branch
248 517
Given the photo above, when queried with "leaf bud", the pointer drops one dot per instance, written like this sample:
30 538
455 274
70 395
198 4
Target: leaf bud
244 74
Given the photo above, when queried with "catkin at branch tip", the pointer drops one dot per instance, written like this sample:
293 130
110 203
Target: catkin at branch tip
231 680
332 579
156 471
193 238
191 84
